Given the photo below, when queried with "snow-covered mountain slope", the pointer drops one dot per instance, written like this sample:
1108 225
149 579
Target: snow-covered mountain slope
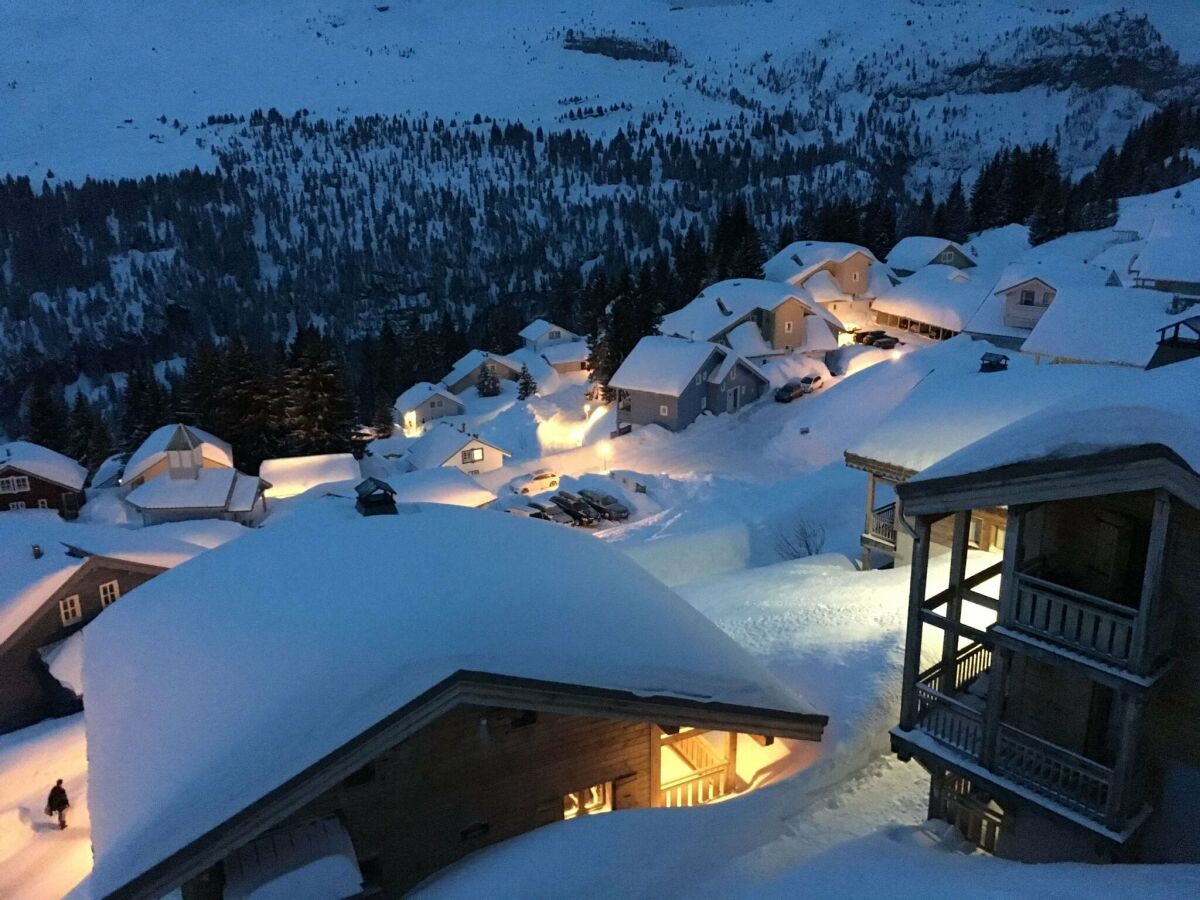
121 88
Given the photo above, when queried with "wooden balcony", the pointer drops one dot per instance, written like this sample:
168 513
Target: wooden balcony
1090 625
881 527
1069 779
695 789
954 716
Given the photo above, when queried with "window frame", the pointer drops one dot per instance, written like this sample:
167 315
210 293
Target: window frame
110 593
14 484
583 808
43 503
68 604
17 506
469 457
1028 298
788 327
664 410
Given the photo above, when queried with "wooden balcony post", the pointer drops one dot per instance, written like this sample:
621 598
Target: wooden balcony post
1148 617
731 743
997 689
1013 553
1129 710
870 518
958 574
912 638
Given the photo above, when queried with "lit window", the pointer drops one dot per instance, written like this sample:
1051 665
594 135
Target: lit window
15 484
70 609
17 504
588 802
663 411
854 276
109 591
42 504
472 455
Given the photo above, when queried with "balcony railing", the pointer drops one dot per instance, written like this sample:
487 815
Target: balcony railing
1092 625
695 788
881 525
1072 780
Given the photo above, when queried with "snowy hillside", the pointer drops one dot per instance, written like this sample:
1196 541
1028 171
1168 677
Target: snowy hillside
123 88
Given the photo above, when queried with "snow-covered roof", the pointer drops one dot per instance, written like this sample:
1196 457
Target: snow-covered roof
440 443
418 394
1156 407
296 474
1100 325
307 623
539 328
42 462
472 360
108 473
663 365
180 437
799 259
1172 251
722 371
568 352
939 295
722 304
210 489
1053 271
913 253
747 340
956 404
26 581
244 494
444 484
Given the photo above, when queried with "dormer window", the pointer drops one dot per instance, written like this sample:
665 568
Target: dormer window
1027 298
1047 296
946 257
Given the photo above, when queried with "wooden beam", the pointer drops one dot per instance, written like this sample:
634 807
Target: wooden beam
959 628
994 711
958 573
763 740
1129 721
731 742
655 762
1014 551
912 639
1148 618
984 574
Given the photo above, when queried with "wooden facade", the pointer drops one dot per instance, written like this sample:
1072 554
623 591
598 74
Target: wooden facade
20 490
475 760
1071 718
28 692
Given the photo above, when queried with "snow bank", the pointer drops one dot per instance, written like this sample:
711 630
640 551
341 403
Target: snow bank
308 624
1101 325
297 474
64 659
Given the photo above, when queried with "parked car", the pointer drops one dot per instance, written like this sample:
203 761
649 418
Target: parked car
867 337
526 512
810 383
789 391
536 482
551 512
609 506
887 342
575 507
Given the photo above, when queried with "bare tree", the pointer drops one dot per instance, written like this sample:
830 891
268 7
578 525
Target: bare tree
802 538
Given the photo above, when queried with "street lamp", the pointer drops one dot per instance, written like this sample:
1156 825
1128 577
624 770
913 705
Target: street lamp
605 449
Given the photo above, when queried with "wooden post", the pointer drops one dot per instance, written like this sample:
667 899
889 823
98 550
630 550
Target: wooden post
731 741
1013 554
912 639
1129 709
958 574
866 550
997 689
655 764
1148 618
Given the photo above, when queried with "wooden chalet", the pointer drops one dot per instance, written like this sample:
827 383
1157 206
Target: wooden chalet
1068 728
36 477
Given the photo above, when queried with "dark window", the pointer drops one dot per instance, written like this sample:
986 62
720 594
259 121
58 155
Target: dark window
474 455
521 720
1027 298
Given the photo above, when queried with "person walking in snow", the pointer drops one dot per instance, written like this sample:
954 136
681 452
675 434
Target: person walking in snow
58 802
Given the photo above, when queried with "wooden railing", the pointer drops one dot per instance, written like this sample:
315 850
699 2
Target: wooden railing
697 752
1092 625
881 524
951 799
971 662
949 721
1067 778
694 789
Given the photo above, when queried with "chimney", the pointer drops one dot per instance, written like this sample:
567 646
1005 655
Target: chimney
37 551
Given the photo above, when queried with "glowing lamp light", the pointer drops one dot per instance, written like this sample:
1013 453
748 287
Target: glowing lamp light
604 448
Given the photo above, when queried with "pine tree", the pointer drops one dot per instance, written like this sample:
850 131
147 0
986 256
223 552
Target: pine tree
79 428
526 385
99 445
488 384
46 417
318 416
